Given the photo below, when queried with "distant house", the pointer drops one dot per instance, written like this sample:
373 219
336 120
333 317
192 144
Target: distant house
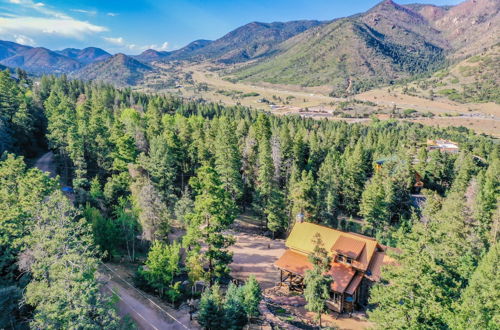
356 264
443 145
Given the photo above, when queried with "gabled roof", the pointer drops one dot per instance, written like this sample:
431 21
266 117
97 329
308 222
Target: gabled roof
294 262
341 275
298 263
348 246
301 237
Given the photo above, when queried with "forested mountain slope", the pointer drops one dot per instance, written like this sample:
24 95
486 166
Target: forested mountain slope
41 60
86 55
390 42
475 79
179 54
250 41
119 70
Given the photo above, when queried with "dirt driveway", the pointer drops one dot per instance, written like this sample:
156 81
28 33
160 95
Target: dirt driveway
254 254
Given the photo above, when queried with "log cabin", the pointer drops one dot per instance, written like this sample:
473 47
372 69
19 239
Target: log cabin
356 263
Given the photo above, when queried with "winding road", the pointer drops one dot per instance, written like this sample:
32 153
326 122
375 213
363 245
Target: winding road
146 313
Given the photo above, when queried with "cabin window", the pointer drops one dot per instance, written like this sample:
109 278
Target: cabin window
340 258
349 260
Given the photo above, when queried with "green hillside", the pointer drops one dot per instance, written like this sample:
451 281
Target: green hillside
475 79
384 45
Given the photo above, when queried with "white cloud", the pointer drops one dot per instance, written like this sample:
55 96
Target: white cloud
67 27
83 11
50 22
112 14
24 40
120 41
40 7
164 46
116 41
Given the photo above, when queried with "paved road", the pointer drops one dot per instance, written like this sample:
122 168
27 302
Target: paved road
146 313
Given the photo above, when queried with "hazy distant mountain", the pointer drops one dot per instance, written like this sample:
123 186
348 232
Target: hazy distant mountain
247 42
41 60
151 55
387 43
9 48
119 70
86 55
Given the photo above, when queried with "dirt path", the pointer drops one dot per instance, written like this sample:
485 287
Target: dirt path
147 312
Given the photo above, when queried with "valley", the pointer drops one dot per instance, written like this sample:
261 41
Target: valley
208 81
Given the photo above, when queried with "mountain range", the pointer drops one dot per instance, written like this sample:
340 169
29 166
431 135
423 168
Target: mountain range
388 43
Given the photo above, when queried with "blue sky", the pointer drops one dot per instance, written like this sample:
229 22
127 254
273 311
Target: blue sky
131 26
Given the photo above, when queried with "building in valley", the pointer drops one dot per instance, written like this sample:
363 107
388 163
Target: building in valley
356 263
443 145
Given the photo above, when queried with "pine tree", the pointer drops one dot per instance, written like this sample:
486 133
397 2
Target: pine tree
487 202
353 179
302 196
317 289
235 316
211 311
161 163
214 211
252 296
374 207
478 307
328 188
228 159
64 290
277 220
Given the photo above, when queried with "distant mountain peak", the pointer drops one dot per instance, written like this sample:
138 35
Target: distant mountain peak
119 70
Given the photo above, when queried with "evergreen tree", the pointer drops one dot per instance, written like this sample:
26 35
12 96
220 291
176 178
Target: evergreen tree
353 179
235 316
328 188
228 159
61 259
161 163
317 289
302 196
214 211
478 307
487 202
211 311
252 295
374 207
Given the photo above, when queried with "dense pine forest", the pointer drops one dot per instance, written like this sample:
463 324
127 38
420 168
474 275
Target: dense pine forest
142 166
